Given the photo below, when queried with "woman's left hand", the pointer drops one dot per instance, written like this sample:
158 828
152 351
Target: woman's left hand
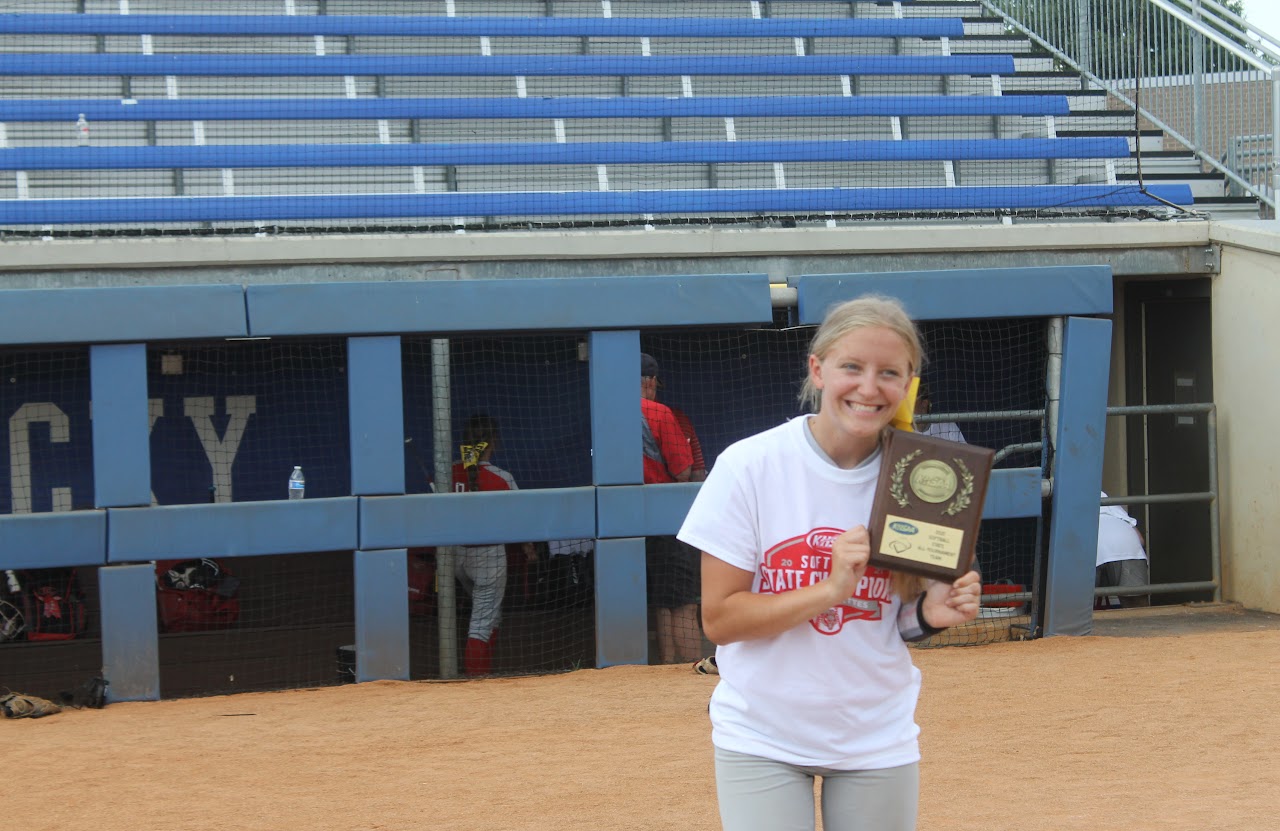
951 604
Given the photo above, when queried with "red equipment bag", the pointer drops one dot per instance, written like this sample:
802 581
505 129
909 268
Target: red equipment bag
53 604
196 595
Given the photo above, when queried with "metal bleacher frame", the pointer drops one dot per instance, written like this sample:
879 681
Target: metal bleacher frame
690 184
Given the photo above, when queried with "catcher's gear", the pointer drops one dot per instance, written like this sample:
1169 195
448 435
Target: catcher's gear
16 705
12 623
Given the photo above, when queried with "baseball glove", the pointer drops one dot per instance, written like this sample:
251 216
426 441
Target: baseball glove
16 705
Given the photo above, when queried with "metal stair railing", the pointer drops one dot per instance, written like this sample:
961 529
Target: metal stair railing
1195 69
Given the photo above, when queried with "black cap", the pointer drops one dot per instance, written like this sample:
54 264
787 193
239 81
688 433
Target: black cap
648 366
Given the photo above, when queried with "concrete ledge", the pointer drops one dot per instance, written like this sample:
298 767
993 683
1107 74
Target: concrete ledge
62 254
1256 234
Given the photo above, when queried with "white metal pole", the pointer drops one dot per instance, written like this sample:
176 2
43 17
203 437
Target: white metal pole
1053 383
442 453
1275 143
1084 36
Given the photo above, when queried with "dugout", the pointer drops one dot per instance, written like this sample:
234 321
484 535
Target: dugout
196 425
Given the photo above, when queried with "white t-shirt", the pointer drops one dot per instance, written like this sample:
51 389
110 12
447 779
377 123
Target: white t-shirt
840 690
948 430
1118 535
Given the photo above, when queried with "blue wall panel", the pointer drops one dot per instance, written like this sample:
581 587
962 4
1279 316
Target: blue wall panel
121 438
130 644
622 611
49 444
637 510
374 391
1012 493
477 518
1077 477
132 314
68 538
617 450
505 305
382 615
288 403
232 529
643 510
966 293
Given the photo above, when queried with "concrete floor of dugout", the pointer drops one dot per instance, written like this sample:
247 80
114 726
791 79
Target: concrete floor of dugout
1185 619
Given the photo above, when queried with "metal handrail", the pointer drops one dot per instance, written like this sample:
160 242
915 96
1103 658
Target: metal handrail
1209 496
1201 47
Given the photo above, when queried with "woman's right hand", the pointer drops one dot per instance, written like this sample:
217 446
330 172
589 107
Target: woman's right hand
732 612
849 555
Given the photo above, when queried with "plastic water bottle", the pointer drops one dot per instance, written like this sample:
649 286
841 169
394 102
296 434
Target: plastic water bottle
82 131
297 483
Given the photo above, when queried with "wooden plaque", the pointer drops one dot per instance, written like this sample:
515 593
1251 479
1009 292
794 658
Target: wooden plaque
928 505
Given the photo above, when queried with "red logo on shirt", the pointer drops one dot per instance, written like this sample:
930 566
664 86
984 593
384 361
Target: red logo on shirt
806 560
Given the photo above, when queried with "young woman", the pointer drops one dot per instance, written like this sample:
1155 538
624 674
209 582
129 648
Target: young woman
815 676
482 569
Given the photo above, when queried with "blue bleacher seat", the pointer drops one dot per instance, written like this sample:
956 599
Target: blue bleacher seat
788 115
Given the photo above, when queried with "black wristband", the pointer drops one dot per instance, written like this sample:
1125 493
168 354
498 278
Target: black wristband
911 622
924 624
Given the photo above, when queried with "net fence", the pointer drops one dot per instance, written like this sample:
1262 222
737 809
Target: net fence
229 421
446 116
49 618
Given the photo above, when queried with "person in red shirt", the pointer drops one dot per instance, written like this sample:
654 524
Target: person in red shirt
672 568
698 471
482 569
667 455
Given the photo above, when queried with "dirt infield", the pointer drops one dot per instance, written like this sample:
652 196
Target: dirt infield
1172 730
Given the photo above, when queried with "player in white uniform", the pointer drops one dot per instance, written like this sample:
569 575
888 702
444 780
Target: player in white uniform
1122 560
815 677
482 569
948 430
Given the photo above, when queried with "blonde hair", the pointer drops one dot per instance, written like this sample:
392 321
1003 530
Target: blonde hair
867 311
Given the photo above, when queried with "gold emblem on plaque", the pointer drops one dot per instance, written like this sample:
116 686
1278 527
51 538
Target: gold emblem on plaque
933 481
962 501
899 471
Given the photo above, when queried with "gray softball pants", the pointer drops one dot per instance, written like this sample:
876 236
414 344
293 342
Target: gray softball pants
758 794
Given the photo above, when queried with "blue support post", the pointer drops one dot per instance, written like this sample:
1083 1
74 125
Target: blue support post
130 649
382 615
121 428
1077 478
622 615
616 451
376 403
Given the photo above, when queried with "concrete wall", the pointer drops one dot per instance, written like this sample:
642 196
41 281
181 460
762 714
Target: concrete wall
1246 343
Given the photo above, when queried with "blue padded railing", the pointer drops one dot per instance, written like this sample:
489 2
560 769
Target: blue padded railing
636 203
425 25
237 109
274 65
547 153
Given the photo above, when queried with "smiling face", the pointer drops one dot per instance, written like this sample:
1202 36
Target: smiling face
862 378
